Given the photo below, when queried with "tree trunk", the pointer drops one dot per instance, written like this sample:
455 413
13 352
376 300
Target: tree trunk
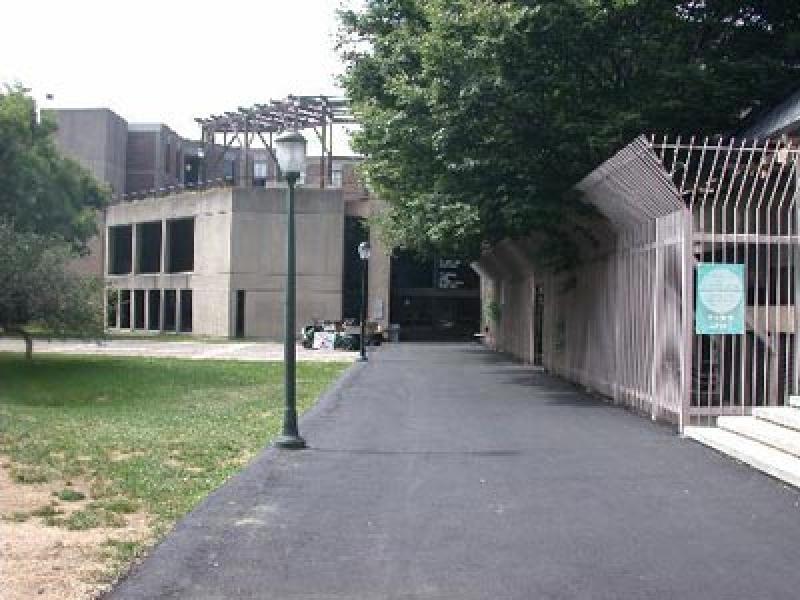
25 335
28 344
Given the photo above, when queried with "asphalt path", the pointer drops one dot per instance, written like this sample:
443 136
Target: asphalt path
447 472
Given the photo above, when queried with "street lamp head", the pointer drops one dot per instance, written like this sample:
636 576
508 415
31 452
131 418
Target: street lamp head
364 250
290 151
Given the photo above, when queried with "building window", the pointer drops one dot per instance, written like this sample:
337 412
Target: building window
124 309
154 310
138 309
180 245
167 159
148 247
170 306
336 178
186 311
120 249
260 173
112 307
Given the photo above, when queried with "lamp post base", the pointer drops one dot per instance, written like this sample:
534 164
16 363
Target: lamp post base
289 442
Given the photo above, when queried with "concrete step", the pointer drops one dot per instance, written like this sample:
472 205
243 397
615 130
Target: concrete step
785 416
773 462
794 401
778 437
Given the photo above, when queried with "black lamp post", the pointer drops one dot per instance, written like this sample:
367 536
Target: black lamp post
290 151
363 254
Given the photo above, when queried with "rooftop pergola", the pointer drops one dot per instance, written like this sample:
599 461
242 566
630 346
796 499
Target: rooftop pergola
243 127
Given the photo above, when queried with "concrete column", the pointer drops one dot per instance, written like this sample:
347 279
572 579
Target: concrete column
380 271
379 281
134 249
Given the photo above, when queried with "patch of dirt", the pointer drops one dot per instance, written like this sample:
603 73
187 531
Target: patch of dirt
118 456
52 563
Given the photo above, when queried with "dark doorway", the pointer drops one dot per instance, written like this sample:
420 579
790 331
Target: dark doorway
434 298
240 306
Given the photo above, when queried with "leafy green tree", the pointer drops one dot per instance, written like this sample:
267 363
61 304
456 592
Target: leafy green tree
37 287
48 212
40 190
478 116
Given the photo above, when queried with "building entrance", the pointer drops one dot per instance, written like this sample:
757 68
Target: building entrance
434 299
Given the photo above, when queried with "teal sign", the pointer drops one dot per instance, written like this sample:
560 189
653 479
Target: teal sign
719 308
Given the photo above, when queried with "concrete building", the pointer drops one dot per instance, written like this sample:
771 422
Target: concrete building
212 262
194 240
98 139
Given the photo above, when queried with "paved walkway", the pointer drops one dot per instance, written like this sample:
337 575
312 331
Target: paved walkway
199 350
446 472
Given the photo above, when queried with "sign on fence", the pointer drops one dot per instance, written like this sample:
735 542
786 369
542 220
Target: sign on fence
720 299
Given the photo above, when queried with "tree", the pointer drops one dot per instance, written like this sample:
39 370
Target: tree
36 286
48 207
478 116
40 190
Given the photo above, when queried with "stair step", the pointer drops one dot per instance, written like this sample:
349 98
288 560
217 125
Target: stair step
773 462
759 430
794 401
780 415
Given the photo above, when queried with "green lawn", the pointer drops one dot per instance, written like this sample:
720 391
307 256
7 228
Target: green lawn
146 434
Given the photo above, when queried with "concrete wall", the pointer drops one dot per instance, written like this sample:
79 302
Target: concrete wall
97 139
154 157
210 280
258 256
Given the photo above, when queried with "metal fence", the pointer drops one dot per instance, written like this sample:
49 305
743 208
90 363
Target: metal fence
623 323
742 198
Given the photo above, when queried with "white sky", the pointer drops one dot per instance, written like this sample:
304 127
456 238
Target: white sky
169 61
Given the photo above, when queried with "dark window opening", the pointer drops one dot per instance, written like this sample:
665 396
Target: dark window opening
169 310
240 307
186 311
191 173
180 240
355 232
154 310
112 306
167 157
138 309
124 309
120 245
148 247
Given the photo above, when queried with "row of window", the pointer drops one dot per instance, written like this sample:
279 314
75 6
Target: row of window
149 310
178 247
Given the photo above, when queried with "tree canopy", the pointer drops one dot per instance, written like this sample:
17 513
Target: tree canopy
42 191
48 212
37 286
478 116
